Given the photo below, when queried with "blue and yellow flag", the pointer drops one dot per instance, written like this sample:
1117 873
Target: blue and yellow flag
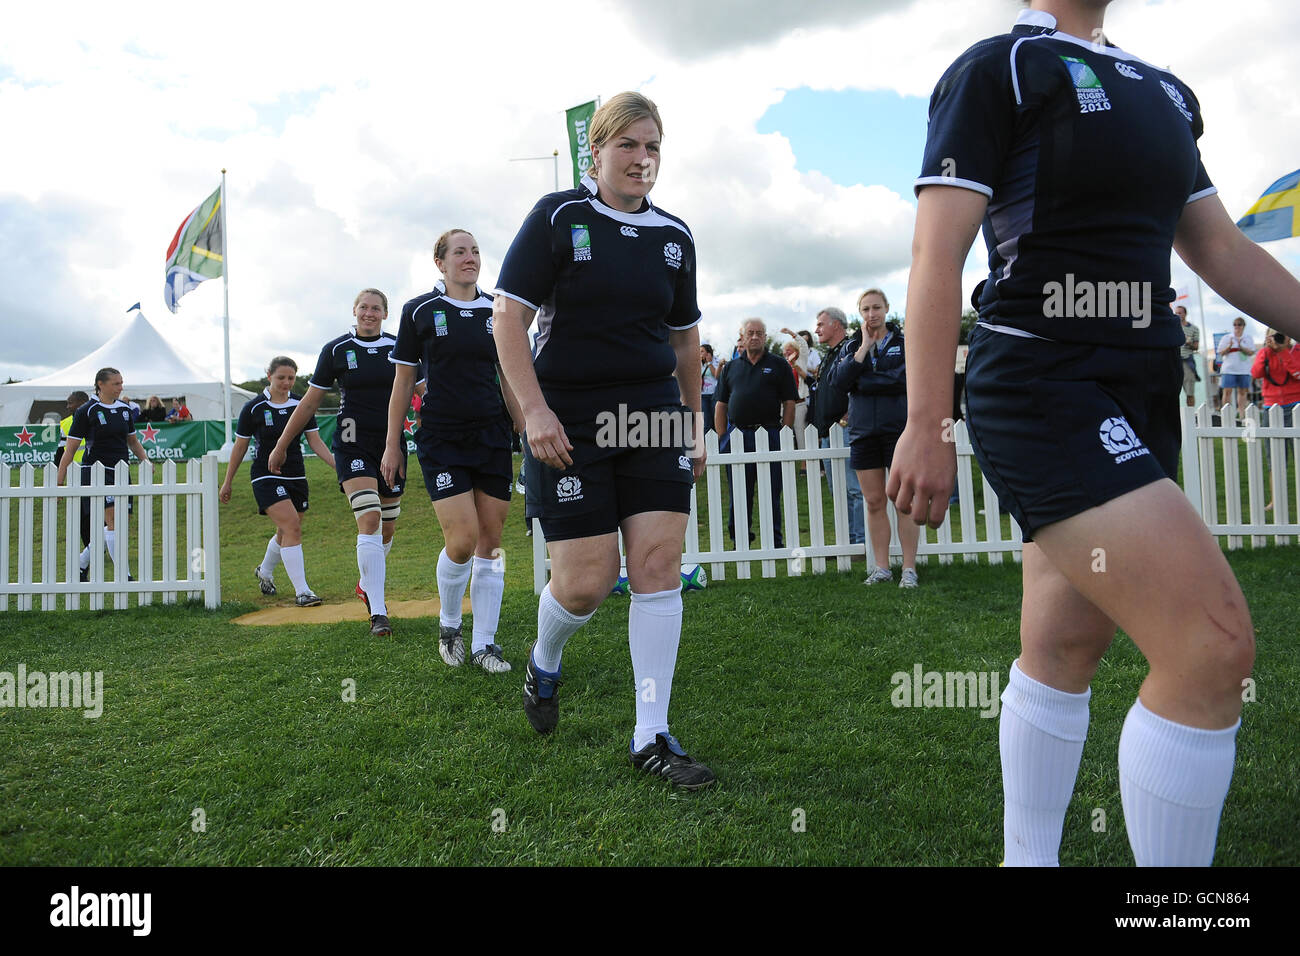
1274 214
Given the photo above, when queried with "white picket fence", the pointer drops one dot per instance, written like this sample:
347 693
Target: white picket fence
192 568
980 527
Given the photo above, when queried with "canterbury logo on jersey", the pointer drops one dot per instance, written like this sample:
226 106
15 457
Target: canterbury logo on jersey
1123 69
629 231
466 313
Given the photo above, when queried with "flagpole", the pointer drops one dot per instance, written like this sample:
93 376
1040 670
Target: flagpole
225 318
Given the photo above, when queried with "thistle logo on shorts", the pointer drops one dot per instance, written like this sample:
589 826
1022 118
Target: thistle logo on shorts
673 254
581 237
440 323
279 490
568 488
444 480
358 464
1092 98
1123 69
1118 438
352 359
684 462
1176 95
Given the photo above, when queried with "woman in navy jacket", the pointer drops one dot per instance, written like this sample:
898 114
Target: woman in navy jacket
875 379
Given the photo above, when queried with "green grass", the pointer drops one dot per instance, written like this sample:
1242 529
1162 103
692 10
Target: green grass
783 687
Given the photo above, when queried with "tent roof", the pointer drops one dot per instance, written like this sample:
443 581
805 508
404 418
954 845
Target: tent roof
142 354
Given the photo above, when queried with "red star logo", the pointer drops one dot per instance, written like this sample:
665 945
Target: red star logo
150 433
25 437
410 426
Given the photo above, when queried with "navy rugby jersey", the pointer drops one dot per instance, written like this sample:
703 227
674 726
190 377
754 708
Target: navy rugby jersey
262 421
104 430
361 369
454 340
1088 156
608 287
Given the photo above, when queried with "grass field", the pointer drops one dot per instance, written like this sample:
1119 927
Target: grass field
783 686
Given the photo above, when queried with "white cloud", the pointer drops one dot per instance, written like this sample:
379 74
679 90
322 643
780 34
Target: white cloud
353 137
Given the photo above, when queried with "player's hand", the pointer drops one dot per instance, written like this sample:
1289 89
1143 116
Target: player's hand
547 440
924 472
392 465
276 460
224 493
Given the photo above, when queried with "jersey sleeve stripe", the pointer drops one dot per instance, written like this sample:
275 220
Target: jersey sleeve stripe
683 328
953 181
321 387
517 298
245 437
397 361
1202 194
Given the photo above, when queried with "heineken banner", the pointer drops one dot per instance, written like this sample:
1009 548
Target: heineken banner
37 443
182 440
579 118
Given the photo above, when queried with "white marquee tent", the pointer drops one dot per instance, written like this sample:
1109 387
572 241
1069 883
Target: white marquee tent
149 366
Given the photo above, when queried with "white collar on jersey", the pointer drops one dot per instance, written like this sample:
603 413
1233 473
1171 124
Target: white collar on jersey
650 216
287 403
1036 18
440 287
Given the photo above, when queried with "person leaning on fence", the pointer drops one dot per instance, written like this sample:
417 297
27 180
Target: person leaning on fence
756 392
154 410
107 426
1074 421
874 376
1277 366
831 405
1191 346
281 497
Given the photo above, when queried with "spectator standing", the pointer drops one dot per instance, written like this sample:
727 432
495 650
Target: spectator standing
874 376
796 354
1235 350
154 410
832 405
757 391
709 368
1191 346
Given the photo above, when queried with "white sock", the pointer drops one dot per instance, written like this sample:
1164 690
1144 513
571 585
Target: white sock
452 578
1041 733
293 566
370 562
388 546
110 544
555 626
654 629
83 562
1173 780
271 559
485 590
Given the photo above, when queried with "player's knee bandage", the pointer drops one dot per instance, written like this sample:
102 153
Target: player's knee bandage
390 512
364 502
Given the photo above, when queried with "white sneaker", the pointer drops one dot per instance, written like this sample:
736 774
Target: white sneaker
451 646
879 575
490 659
908 579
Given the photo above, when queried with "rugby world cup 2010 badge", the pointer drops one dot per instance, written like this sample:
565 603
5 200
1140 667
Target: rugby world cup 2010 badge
568 488
440 323
673 254
1087 86
352 359
581 237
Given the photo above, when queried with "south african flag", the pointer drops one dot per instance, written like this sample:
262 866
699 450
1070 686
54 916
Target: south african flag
195 254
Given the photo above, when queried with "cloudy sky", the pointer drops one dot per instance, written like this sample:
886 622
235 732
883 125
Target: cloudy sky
354 134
